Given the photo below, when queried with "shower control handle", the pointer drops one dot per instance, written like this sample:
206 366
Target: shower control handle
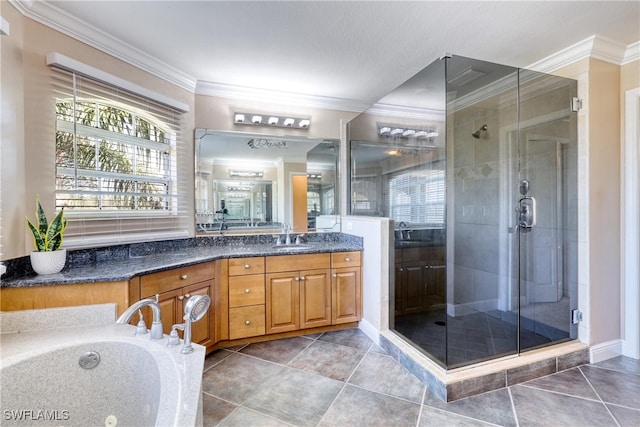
526 213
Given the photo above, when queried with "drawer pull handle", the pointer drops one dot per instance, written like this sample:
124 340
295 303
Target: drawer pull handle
247 266
247 322
246 291
183 277
181 297
347 259
334 275
301 277
296 279
188 296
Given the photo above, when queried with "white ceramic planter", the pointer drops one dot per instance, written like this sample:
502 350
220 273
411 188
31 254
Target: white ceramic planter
48 262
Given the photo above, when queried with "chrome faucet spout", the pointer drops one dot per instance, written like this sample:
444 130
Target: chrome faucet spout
287 230
156 325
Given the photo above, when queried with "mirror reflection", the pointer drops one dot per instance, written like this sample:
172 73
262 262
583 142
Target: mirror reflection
253 183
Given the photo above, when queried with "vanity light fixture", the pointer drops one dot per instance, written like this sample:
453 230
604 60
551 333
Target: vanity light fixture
314 176
271 120
245 174
402 132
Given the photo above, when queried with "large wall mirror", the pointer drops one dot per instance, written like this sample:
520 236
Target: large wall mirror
250 183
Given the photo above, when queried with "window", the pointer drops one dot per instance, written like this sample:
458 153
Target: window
417 196
109 158
117 158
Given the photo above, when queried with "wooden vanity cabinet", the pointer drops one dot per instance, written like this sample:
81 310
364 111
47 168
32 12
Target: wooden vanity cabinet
174 287
346 288
298 292
246 297
420 280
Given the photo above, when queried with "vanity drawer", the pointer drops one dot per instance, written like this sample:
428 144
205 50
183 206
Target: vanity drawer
246 322
278 263
246 290
164 281
345 259
242 266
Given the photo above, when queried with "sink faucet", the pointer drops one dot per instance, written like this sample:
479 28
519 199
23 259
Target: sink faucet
287 229
156 326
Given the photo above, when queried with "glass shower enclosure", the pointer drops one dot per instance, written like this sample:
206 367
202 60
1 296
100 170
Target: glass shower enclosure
476 164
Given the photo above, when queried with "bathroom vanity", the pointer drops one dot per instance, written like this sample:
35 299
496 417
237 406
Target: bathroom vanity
258 291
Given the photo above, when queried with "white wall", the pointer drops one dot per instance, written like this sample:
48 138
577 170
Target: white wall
376 259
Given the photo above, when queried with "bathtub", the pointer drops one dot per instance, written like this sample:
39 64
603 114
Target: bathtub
136 381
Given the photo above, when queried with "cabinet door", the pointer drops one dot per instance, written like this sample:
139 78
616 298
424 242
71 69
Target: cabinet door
315 298
282 302
346 295
413 286
200 330
170 308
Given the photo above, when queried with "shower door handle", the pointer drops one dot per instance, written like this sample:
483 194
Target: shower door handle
526 214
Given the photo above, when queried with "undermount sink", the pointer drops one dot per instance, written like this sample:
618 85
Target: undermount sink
292 247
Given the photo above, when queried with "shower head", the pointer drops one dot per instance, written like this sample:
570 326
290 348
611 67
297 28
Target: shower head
196 307
477 133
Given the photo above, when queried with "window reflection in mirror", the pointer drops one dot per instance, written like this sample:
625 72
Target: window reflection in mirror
253 183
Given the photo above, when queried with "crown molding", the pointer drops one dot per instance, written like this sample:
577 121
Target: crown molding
597 47
407 112
278 97
49 15
632 53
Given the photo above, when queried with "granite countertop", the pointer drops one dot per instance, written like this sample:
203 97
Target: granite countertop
119 269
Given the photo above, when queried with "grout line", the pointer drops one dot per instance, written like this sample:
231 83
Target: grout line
605 368
560 393
424 395
599 397
331 404
513 407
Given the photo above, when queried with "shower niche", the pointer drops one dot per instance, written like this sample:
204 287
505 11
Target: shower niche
476 164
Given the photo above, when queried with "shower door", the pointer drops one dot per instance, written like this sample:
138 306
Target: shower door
545 206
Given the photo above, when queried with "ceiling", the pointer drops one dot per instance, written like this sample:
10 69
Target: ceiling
358 50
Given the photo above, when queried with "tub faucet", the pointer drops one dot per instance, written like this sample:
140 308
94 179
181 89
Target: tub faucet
156 326
194 310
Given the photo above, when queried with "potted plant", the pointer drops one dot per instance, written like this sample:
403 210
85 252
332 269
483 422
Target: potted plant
48 258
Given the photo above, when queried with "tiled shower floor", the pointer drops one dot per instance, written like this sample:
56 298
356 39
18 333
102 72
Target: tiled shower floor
343 379
472 337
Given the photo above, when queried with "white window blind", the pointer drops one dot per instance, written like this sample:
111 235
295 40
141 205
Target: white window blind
118 164
417 196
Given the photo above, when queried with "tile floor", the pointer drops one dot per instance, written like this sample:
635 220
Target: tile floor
343 379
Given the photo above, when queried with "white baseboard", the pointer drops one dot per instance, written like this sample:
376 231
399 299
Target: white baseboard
605 351
370 331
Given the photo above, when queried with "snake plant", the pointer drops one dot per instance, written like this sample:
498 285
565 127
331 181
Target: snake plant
47 236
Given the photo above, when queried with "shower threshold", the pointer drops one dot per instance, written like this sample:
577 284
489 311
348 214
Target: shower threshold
458 383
